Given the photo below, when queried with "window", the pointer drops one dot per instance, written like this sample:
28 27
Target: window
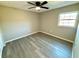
67 19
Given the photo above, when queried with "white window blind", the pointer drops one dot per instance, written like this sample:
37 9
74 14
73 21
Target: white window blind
67 19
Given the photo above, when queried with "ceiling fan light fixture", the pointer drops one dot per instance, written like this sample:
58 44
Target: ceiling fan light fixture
38 8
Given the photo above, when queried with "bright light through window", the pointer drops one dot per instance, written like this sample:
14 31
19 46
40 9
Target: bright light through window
67 19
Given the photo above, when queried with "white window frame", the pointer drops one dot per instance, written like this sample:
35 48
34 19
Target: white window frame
64 22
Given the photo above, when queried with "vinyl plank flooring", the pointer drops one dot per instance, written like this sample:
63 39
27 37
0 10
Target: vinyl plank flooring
38 45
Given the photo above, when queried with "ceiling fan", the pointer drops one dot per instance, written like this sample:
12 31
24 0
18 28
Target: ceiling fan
38 5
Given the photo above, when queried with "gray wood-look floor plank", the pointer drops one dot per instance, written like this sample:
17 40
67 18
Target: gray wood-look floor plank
38 45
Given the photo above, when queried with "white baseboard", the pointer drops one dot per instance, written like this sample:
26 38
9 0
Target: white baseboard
57 37
20 37
41 32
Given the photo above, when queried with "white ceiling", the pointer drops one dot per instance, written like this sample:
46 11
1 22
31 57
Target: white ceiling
24 5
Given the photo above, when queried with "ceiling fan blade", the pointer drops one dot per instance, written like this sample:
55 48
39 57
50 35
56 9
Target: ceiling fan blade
45 2
31 7
31 3
44 7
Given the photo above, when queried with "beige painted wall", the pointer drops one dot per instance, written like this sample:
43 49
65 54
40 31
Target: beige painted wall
17 23
49 22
